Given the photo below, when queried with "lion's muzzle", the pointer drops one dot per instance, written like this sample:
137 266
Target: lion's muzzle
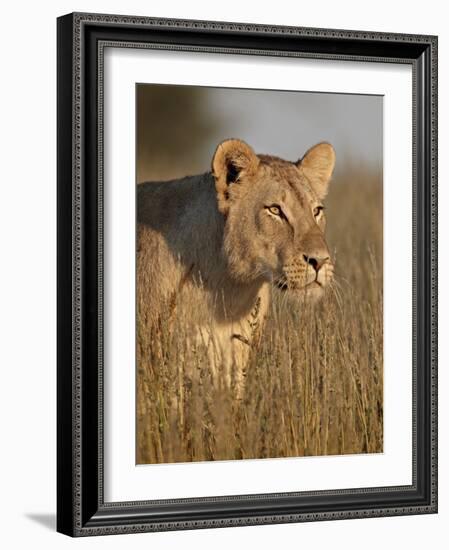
306 273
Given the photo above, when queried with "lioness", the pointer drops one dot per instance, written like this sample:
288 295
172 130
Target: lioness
228 235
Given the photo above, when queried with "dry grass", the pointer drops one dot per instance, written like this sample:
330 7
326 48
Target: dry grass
314 386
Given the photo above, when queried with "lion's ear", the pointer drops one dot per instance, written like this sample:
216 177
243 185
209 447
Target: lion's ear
317 165
233 159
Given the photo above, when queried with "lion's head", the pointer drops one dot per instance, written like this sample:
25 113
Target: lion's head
274 215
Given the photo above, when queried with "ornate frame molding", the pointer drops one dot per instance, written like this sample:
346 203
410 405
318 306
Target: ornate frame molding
81 41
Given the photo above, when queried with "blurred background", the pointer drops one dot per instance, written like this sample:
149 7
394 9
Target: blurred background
179 127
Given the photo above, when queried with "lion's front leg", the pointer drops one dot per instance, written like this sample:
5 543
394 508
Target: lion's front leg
241 348
229 345
245 339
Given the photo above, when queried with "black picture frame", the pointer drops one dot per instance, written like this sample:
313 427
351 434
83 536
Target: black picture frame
81 509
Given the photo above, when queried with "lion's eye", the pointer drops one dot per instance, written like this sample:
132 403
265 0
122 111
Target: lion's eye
317 211
275 210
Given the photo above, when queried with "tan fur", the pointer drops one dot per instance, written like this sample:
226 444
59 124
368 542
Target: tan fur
228 236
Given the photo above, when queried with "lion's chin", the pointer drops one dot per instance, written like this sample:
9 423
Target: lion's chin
311 292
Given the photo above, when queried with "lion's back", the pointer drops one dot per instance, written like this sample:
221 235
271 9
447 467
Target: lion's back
173 218
161 203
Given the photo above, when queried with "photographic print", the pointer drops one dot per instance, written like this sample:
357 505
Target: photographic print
259 274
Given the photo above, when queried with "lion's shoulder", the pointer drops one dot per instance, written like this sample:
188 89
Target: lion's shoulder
168 201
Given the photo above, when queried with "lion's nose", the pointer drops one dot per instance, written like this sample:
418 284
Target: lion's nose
316 262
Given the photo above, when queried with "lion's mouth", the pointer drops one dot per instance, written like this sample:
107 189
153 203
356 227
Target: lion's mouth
282 285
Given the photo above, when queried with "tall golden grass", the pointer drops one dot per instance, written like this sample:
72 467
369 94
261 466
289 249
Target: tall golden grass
314 384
